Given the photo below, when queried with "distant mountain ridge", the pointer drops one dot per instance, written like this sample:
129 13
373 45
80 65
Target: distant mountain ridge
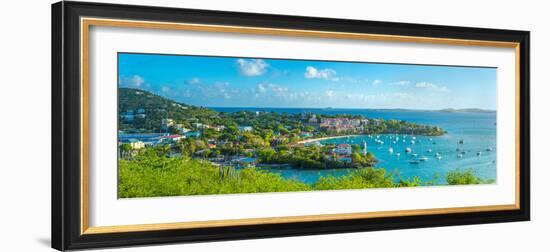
471 110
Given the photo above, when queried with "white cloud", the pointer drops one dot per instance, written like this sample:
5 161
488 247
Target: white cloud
429 85
193 81
402 83
221 86
135 81
376 82
402 95
253 67
327 73
271 89
329 93
262 88
165 89
425 85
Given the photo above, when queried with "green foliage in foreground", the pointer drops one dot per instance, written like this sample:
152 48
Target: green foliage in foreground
150 175
465 178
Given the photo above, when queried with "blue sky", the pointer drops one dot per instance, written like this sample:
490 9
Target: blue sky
249 82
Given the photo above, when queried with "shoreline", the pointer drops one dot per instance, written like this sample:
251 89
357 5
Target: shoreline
326 138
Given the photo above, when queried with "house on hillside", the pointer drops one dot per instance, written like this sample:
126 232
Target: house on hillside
245 128
170 138
343 149
314 143
135 144
192 134
127 116
166 123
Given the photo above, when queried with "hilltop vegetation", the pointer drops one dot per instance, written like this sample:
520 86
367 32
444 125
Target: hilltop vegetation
155 108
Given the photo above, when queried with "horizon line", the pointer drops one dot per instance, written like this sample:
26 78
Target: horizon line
158 94
328 107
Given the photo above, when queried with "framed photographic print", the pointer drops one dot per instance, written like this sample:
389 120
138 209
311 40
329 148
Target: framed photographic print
180 125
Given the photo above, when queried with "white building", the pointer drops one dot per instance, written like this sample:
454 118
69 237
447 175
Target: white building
343 149
166 123
136 144
245 128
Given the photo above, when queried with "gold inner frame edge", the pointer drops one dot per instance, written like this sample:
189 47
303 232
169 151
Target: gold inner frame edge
85 24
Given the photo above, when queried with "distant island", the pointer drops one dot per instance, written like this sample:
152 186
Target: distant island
470 110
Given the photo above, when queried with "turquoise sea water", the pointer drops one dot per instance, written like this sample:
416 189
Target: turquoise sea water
476 129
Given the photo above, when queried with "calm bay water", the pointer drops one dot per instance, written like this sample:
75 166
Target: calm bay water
477 130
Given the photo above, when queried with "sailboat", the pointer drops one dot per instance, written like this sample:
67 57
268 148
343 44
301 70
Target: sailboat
422 158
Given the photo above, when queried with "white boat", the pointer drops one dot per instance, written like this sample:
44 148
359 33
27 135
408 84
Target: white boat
414 154
423 158
459 156
429 150
479 153
390 150
412 141
489 148
438 157
414 161
398 154
408 149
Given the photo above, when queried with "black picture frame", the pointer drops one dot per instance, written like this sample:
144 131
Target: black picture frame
66 114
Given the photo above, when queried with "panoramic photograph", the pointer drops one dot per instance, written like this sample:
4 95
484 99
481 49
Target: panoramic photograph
206 125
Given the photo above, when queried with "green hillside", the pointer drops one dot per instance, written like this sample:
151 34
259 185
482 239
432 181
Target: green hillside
147 110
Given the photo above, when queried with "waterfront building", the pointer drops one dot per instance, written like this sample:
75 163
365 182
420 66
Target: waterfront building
343 149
